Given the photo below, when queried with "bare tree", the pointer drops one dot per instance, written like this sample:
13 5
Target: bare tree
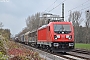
1 25
75 18
87 24
70 17
28 21
33 21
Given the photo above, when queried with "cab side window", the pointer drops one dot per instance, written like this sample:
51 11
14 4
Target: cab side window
48 28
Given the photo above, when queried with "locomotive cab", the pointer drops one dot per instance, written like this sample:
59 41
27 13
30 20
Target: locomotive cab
62 36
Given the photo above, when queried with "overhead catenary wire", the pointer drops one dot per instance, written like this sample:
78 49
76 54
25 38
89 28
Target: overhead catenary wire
83 4
51 5
84 8
56 6
79 5
70 9
80 10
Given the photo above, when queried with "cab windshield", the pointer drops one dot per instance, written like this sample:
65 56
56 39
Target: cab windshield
59 28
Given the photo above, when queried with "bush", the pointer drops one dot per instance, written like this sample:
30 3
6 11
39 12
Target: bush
2 48
3 57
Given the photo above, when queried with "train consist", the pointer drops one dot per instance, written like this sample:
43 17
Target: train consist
57 36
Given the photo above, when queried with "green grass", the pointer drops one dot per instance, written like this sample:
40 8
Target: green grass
82 46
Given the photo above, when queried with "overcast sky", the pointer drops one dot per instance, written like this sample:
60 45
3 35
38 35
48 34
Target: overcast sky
14 12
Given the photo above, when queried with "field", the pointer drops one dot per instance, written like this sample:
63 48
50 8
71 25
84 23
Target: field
82 46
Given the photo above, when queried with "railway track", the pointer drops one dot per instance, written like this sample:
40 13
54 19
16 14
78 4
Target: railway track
82 56
57 56
81 51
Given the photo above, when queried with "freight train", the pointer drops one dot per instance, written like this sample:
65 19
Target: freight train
57 36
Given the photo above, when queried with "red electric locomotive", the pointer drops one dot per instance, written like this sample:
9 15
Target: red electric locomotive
56 36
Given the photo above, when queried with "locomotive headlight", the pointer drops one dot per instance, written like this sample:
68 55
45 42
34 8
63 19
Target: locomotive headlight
55 37
70 37
58 36
67 36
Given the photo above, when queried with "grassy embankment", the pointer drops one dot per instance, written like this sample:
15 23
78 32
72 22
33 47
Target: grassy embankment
10 50
82 46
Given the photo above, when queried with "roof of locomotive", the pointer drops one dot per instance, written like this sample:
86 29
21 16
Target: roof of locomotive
43 26
60 22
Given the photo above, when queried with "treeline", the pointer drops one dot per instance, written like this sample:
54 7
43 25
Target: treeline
5 33
82 34
4 37
34 22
